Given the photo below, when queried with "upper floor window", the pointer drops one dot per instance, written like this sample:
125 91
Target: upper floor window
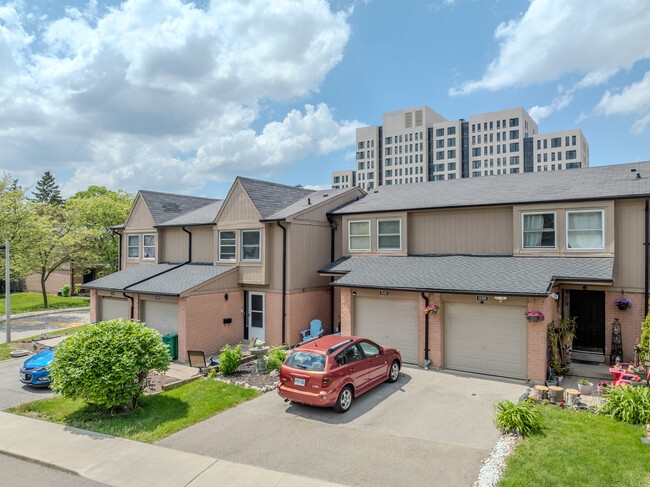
359 235
440 132
538 231
227 245
389 234
133 246
149 246
514 122
250 244
585 230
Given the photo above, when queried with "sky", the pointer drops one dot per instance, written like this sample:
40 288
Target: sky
182 97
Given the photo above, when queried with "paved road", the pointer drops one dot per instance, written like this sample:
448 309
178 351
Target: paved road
30 325
19 473
14 393
428 428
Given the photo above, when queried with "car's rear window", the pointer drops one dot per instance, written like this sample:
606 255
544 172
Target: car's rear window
306 361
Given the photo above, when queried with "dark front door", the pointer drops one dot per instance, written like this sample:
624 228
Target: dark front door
589 309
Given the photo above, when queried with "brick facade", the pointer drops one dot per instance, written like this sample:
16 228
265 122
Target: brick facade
537 337
435 330
53 285
630 320
93 305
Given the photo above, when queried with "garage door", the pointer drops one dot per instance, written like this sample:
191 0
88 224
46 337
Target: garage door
485 339
161 316
390 323
111 308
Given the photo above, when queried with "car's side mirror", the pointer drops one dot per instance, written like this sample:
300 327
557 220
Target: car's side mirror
382 351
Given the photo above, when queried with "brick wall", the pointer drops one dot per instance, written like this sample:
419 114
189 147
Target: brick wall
53 285
304 307
93 305
537 337
337 309
435 330
630 321
346 311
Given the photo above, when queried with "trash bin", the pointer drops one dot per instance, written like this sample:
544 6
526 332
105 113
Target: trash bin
171 340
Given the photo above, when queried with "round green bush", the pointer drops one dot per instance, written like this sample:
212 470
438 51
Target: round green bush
105 364
276 358
230 359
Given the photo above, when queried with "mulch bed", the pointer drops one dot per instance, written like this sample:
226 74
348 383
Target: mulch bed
248 374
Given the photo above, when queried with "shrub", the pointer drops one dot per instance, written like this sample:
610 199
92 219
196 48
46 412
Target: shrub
65 290
522 417
212 374
77 289
277 357
645 339
627 404
229 359
106 364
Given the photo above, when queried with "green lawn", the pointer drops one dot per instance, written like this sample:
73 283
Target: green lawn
576 449
26 302
6 348
155 418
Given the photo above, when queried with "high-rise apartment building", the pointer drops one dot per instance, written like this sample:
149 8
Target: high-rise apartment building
417 144
343 179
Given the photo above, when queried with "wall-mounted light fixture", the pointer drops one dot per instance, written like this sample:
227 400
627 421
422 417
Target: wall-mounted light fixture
112 293
157 298
225 296
500 299
555 296
354 293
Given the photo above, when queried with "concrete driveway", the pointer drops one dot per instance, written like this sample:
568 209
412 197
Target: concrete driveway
428 428
13 392
29 324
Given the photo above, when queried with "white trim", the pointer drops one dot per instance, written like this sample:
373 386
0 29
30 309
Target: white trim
350 222
391 234
148 246
234 258
554 230
259 245
602 230
249 320
131 246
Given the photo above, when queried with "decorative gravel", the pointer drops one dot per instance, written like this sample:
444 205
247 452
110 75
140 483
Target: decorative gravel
493 466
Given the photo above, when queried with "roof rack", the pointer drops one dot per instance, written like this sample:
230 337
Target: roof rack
338 345
306 341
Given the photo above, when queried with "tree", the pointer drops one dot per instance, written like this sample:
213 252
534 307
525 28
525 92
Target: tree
100 209
47 191
106 364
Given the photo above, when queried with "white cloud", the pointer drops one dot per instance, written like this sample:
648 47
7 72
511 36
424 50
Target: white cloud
540 112
161 92
557 37
634 99
318 187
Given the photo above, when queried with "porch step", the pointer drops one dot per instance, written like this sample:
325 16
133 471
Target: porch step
593 357
589 370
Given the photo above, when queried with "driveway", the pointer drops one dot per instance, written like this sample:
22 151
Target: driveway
13 392
30 324
428 428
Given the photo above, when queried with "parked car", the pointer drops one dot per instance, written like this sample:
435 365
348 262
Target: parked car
34 370
332 370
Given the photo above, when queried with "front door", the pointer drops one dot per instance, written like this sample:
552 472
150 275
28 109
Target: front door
255 318
589 309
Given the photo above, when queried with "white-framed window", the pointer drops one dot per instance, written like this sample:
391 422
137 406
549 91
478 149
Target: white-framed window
133 246
585 230
149 246
250 244
538 230
227 245
359 235
389 234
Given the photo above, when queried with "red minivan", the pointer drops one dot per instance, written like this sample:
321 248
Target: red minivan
332 370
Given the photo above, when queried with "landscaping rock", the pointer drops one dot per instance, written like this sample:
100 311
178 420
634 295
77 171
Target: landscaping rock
493 466
274 374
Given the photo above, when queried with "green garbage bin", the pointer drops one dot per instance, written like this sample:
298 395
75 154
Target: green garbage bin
171 340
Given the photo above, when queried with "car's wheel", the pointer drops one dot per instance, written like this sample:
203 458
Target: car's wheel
393 373
344 401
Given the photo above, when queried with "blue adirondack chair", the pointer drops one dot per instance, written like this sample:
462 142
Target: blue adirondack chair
315 330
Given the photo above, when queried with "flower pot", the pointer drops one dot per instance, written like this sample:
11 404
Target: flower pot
622 307
534 319
586 390
560 378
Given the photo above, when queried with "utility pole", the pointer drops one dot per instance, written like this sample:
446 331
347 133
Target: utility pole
7 291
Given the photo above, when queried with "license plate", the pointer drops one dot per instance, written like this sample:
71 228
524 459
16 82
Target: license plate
298 381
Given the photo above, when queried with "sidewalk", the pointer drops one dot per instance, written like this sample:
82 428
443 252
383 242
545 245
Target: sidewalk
119 462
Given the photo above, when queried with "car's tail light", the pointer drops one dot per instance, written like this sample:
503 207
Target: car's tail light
327 379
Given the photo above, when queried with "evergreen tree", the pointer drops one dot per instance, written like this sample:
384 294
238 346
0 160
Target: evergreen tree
47 191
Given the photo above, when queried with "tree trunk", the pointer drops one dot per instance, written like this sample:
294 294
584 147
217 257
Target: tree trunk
44 292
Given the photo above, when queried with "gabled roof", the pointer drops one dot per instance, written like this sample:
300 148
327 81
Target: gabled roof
470 274
592 183
310 201
167 206
269 198
203 216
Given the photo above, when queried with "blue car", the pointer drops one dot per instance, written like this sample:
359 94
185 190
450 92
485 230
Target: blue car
34 371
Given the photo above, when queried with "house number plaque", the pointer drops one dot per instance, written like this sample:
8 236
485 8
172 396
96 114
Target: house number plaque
482 299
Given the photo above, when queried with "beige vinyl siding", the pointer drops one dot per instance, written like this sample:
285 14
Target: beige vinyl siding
174 242
464 231
140 217
203 248
310 251
238 207
373 218
629 231
229 281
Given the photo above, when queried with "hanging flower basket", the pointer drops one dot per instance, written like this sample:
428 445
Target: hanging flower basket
623 304
534 316
432 310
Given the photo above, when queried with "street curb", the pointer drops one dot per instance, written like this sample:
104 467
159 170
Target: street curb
36 461
40 313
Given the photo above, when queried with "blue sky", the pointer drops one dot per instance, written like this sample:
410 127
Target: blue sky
182 97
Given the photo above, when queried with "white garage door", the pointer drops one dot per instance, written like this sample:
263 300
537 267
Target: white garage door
390 322
111 308
161 316
485 339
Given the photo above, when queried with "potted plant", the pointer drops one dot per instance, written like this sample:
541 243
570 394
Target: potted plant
534 316
260 349
585 387
602 388
623 304
432 309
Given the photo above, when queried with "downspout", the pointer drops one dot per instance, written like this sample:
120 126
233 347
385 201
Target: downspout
427 362
284 277
332 240
189 250
130 298
647 232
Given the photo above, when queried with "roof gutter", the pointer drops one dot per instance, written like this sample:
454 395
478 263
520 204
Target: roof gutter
284 278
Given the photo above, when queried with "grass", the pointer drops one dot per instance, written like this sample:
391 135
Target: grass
6 348
575 449
26 302
155 418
